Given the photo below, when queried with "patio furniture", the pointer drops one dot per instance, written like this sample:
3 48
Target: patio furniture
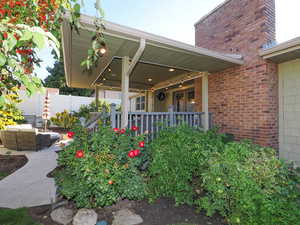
24 137
9 138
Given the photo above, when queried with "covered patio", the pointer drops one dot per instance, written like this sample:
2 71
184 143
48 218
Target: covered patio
143 63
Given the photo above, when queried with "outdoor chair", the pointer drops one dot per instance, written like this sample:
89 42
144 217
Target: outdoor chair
24 137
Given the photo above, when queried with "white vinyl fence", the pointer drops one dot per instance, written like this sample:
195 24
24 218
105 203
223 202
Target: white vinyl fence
33 106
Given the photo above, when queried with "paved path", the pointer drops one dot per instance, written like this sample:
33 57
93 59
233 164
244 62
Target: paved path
29 185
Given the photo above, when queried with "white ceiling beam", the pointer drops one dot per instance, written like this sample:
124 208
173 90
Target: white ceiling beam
177 80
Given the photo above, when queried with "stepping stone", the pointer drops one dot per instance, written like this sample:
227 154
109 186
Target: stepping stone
126 217
62 215
85 217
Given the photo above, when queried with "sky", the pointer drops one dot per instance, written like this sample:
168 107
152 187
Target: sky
175 19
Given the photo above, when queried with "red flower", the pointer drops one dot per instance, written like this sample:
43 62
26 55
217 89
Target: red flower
110 182
123 131
131 154
18 3
116 130
11 4
142 144
70 134
134 128
5 35
79 154
136 152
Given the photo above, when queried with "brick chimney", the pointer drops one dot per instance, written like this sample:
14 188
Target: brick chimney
243 99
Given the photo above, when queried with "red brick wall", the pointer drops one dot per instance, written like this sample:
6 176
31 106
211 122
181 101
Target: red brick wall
243 99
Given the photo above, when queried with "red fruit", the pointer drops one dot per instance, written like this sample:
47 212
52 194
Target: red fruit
136 152
116 130
110 182
142 144
131 154
2 12
17 37
134 128
43 18
79 154
5 36
70 134
27 70
123 131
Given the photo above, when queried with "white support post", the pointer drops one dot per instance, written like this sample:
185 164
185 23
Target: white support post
97 96
125 91
205 101
150 101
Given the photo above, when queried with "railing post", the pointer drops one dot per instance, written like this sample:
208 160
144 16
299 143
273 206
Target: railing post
113 115
172 117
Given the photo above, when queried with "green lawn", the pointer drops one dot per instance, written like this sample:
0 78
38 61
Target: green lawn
2 175
16 217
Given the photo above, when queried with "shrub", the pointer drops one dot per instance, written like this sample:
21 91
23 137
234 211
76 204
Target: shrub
64 119
245 183
100 168
176 154
84 110
248 185
9 115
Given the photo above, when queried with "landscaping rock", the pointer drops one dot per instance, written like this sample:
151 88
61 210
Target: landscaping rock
126 217
62 215
85 217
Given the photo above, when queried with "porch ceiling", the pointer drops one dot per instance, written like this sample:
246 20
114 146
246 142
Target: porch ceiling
159 55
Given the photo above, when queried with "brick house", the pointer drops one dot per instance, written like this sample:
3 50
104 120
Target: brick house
235 71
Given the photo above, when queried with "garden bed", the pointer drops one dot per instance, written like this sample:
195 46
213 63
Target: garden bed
162 212
11 163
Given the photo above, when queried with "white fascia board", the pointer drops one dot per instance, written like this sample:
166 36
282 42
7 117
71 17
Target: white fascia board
156 40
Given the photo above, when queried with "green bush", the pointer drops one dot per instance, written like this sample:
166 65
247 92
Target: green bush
84 110
245 183
248 185
97 170
64 119
176 155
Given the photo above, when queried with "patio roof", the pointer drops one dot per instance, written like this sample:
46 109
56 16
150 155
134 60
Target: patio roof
157 57
283 52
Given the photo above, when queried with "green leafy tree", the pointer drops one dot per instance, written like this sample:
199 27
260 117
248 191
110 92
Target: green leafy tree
28 26
57 79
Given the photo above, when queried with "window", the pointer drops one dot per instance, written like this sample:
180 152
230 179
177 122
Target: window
140 103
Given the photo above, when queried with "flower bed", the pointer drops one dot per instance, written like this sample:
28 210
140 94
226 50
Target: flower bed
243 182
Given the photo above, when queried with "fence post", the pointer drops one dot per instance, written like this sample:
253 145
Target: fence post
113 115
171 113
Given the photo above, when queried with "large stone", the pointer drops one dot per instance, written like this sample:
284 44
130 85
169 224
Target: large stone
85 217
62 215
126 217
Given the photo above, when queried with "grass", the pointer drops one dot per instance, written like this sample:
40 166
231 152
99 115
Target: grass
3 174
16 217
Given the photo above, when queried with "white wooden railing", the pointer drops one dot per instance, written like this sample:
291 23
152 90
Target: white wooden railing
152 122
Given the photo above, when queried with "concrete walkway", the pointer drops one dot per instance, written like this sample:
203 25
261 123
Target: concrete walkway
29 185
